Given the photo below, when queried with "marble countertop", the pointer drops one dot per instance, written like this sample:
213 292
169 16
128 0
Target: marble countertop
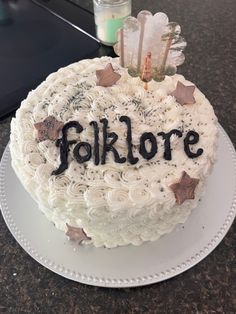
209 287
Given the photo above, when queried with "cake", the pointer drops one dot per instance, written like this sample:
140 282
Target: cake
114 164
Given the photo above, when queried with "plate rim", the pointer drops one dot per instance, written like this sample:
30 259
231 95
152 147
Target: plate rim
114 282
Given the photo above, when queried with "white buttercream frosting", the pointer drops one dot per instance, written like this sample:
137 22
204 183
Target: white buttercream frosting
115 204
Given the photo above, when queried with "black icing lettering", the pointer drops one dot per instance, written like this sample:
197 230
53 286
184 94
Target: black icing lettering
96 142
191 138
109 146
110 138
78 156
142 149
166 137
64 145
133 160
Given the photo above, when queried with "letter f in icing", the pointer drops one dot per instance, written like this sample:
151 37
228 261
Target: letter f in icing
64 145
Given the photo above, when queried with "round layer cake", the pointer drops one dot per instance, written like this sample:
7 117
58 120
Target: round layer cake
121 163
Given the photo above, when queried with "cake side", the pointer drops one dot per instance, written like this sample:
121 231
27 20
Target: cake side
114 203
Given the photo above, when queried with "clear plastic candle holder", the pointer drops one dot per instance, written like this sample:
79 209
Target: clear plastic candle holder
109 17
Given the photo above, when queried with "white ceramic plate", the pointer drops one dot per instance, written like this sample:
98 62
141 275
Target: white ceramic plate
126 266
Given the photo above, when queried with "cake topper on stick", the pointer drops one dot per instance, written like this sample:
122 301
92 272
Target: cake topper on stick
150 46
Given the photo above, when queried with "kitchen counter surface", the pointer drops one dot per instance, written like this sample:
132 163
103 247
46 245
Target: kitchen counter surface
210 287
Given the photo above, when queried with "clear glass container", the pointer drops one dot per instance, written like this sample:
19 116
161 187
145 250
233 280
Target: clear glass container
109 17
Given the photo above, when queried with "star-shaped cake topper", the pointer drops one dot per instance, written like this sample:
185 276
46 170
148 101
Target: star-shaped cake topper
107 77
48 129
184 189
184 94
76 234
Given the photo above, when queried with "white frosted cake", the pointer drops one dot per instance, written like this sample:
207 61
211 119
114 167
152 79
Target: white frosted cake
120 164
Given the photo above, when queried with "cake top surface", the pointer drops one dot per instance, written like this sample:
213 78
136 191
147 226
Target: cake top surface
71 94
